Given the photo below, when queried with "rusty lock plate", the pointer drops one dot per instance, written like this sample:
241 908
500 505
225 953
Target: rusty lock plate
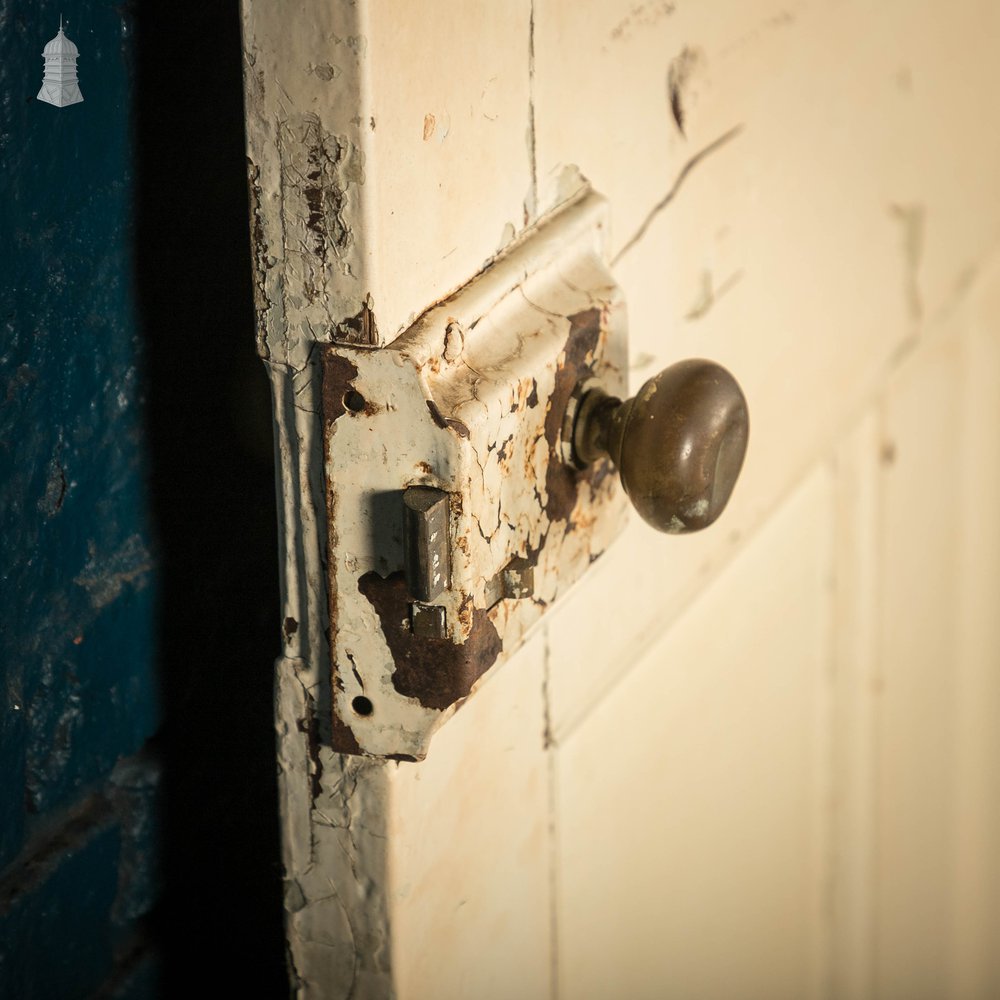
454 519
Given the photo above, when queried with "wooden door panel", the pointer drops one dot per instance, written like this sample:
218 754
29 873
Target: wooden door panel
449 165
936 797
759 761
469 848
720 255
855 666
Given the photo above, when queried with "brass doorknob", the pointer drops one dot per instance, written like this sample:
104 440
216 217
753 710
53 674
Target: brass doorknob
678 444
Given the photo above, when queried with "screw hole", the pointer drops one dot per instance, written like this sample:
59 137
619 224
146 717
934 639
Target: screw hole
354 401
362 705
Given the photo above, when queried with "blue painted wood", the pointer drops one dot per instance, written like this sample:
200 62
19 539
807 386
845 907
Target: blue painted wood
78 572
58 940
75 543
123 241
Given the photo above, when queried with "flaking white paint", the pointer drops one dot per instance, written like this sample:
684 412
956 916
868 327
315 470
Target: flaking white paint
804 125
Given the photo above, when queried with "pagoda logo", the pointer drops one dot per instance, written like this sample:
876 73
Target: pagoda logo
59 85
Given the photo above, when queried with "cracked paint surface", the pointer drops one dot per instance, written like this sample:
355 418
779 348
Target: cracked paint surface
306 159
486 428
334 856
789 172
326 288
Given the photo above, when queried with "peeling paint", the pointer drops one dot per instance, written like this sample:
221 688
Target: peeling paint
359 329
307 145
486 428
334 858
259 257
318 172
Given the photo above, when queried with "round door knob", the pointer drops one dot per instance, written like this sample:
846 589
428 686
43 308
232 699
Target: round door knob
678 443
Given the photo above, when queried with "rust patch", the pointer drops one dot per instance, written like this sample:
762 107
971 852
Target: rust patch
562 481
529 402
339 374
437 672
359 330
342 739
309 728
442 421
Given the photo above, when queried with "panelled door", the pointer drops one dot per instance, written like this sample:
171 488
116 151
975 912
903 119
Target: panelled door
756 761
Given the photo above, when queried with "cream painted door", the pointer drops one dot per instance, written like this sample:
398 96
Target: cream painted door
760 761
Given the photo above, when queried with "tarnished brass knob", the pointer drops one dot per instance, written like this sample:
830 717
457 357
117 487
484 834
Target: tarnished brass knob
678 443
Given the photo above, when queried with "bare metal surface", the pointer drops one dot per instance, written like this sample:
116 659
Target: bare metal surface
429 621
426 541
